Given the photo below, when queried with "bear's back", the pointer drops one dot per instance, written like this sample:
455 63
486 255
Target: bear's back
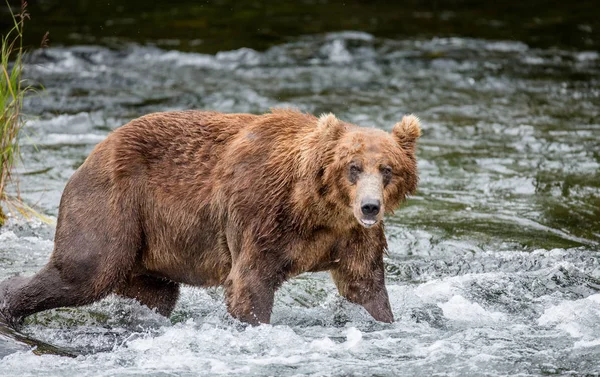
167 144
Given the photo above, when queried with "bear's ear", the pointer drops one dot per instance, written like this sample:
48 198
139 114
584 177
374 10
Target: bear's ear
330 126
407 131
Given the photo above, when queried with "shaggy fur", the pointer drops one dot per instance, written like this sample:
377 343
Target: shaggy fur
238 200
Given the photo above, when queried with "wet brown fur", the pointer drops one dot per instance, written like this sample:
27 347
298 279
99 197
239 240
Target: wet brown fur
208 199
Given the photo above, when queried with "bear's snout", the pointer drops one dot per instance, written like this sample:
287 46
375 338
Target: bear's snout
368 200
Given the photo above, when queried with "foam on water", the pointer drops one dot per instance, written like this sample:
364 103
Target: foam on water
579 319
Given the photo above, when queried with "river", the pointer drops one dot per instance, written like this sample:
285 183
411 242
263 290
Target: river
493 265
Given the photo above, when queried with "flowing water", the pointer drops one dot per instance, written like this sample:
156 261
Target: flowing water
492 268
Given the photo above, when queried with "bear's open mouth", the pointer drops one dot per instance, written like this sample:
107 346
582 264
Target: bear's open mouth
368 222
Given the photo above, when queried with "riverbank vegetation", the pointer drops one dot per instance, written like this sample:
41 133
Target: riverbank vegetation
13 89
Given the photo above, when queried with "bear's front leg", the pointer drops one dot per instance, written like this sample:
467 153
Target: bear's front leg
366 290
360 275
250 291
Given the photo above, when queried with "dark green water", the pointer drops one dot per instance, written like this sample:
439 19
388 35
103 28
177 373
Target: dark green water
492 267
212 26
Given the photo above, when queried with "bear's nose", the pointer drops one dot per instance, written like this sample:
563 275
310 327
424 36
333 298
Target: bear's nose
370 207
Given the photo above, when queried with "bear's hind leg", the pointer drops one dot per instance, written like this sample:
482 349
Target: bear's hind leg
48 289
98 237
155 293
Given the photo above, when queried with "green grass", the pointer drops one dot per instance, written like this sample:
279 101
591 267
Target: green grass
13 90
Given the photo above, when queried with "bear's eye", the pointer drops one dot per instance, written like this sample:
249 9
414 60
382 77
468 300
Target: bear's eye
354 171
386 172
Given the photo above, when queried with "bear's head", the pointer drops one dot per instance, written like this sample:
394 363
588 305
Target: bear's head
369 172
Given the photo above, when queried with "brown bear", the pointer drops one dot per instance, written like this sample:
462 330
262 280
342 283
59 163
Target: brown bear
235 200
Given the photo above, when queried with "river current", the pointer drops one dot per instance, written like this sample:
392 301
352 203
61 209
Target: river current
492 267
